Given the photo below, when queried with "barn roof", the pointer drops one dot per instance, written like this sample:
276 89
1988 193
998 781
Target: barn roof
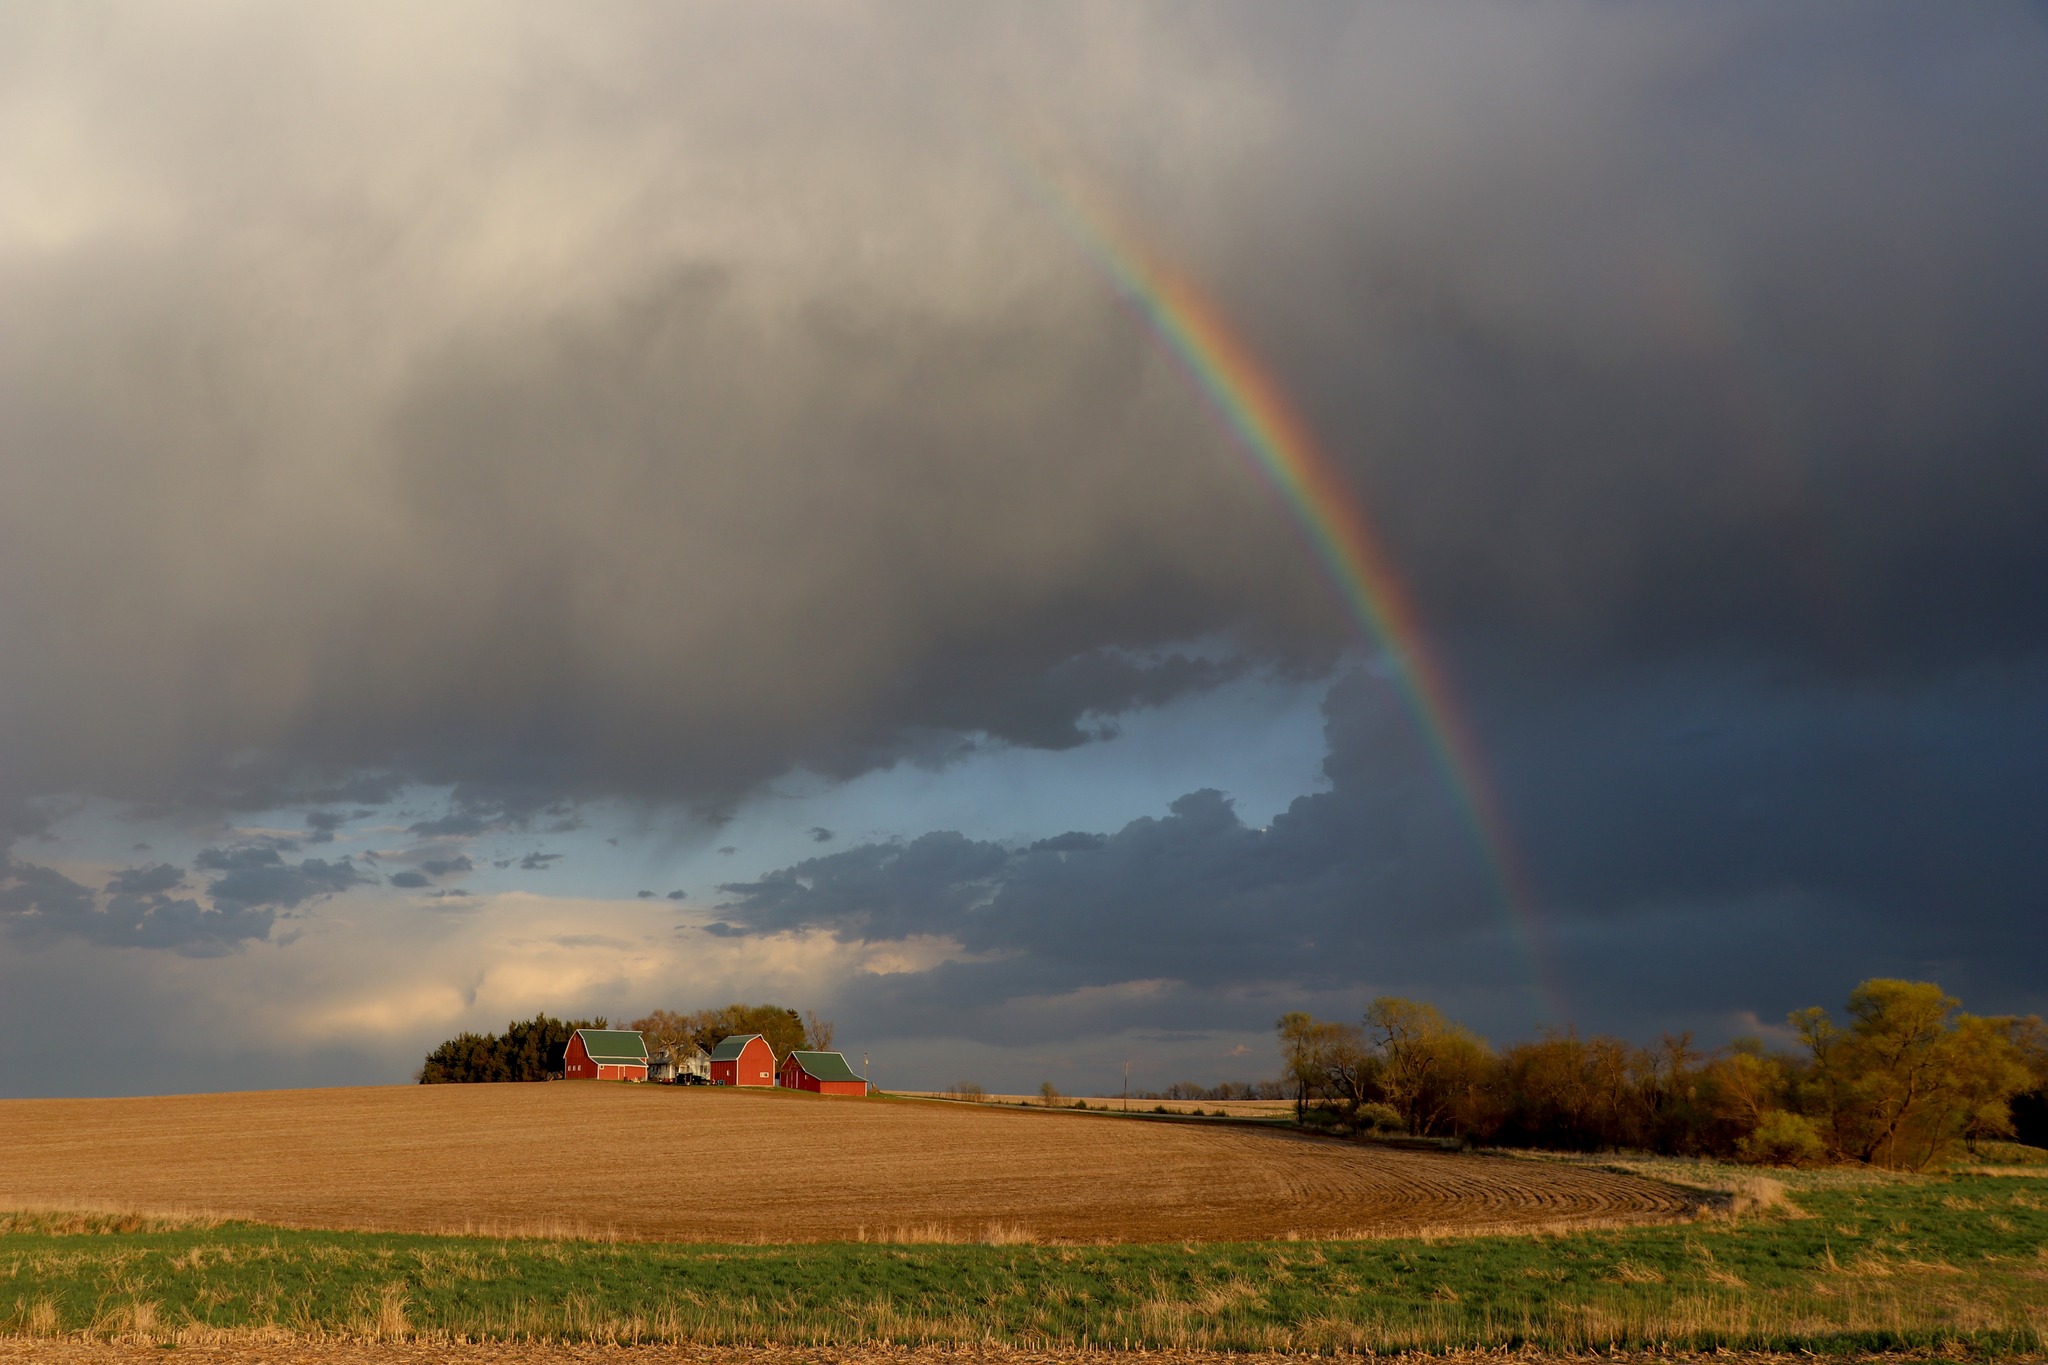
613 1045
731 1048
824 1066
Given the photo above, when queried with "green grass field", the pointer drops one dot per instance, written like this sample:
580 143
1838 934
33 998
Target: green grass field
1850 1264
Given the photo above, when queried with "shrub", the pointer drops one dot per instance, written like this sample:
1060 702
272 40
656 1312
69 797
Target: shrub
1380 1118
1783 1139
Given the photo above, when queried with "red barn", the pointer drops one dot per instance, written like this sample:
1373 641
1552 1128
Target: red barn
823 1073
605 1054
743 1059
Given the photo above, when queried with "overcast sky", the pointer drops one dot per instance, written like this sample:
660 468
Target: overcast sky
507 507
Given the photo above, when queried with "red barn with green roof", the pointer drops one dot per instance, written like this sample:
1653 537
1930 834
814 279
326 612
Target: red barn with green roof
605 1054
822 1073
743 1059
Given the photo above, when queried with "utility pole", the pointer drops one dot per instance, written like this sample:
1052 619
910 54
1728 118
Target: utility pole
1127 1085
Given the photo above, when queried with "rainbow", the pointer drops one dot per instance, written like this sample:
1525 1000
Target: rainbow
1331 517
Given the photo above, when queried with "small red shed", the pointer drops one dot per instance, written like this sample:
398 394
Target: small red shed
743 1059
605 1054
822 1073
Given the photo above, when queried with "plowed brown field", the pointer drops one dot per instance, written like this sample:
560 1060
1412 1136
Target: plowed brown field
678 1164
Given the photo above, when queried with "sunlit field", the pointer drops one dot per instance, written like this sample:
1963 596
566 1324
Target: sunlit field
697 1164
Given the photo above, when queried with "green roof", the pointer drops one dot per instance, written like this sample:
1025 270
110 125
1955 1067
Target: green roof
731 1048
824 1066
612 1045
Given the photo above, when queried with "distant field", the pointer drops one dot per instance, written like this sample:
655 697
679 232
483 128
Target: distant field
1237 1109
701 1165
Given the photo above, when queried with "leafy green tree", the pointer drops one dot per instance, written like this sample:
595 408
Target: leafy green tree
1429 1069
784 1028
467 1057
2028 1111
528 1050
1909 1076
1566 1091
1326 1062
667 1033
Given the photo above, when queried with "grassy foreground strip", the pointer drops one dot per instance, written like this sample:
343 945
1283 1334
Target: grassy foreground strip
1958 1262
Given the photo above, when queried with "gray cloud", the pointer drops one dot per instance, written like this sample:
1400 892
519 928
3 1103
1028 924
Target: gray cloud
321 824
39 905
256 874
1644 340
1703 845
146 881
1687 356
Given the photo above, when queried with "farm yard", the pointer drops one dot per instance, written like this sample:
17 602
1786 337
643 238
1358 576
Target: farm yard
729 1165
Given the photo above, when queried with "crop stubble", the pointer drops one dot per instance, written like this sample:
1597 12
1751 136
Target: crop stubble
697 1165
287 1351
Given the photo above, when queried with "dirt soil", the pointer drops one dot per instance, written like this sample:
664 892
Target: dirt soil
697 1164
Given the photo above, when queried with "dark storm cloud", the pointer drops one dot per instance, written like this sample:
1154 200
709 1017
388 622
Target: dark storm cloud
456 825
1073 841
256 874
1699 846
878 890
145 881
539 862
322 824
44 893
411 880
1687 355
39 905
821 835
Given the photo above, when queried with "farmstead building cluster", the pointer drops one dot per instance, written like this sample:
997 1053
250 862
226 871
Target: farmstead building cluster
743 1060
822 1073
603 1054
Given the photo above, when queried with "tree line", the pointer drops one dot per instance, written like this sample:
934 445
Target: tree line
533 1049
1904 1080
528 1050
785 1029
1224 1090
